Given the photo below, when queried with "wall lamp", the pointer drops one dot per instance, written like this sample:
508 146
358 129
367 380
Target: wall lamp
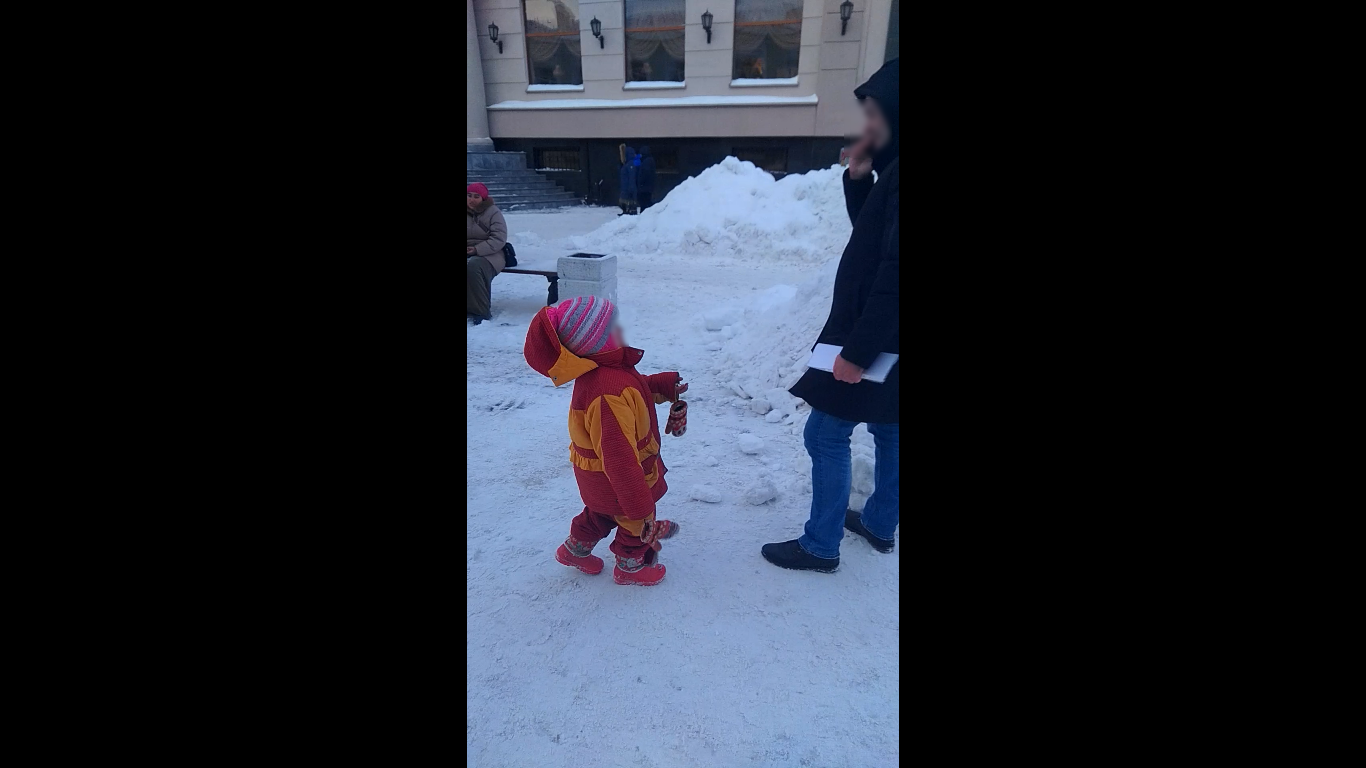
706 24
493 36
597 32
846 12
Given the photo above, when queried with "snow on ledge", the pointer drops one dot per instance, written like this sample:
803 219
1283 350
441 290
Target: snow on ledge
547 88
653 85
659 101
755 82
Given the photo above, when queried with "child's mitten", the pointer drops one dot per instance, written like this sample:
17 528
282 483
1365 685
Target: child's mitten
678 419
659 529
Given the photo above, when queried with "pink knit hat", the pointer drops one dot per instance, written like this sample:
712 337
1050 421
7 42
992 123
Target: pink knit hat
478 189
584 324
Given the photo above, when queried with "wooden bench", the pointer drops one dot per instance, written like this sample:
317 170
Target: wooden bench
552 296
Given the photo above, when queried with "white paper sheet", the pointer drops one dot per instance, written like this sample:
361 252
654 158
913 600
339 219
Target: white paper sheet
823 359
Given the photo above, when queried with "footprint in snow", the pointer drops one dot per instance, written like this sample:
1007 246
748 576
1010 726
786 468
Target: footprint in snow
508 404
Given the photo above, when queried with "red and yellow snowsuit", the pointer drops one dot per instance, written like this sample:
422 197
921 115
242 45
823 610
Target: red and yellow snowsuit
613 436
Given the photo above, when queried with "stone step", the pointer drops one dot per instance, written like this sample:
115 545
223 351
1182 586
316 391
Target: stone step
503 173
530 190
514 199
516 181
514 207
540 194
513 183
482 161
524 203
529 184
521 189
518 187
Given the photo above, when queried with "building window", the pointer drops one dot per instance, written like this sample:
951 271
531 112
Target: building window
768 38
654 40
893 32
771 159
553 53
558 159
666 160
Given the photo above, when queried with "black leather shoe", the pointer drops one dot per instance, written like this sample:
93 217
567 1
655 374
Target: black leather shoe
789 554
853 521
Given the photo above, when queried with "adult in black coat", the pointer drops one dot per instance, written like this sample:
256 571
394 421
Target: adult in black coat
645 178
864 320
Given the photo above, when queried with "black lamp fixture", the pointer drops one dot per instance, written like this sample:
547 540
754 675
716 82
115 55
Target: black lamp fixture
846 13
597 32
706 24
493 36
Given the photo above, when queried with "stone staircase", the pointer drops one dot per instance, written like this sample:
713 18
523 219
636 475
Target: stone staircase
512 185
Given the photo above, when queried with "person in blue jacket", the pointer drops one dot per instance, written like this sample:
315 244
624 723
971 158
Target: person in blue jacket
629 170
645 182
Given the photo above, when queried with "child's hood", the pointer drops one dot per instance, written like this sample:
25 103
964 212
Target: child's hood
551 359
548 356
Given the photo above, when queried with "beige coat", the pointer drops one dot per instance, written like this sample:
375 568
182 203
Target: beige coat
487 232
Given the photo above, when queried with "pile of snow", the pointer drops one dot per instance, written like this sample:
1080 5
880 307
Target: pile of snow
734 209
760 344
767 344
767 353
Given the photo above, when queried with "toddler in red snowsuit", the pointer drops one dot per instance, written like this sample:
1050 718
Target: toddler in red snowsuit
613 433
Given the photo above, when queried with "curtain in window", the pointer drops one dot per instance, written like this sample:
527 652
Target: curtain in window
749 40
650 26
762 26
552 30
642 45
542 49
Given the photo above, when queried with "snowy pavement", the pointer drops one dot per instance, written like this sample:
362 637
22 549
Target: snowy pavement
729 661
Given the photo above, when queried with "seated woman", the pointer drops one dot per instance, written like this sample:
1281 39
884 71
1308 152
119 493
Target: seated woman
486 232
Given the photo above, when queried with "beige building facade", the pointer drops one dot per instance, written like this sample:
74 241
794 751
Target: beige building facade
767 80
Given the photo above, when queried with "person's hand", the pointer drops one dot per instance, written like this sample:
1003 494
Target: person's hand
846 371
679 389
469 251
860 160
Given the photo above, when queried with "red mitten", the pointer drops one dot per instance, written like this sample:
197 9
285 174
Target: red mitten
659 529
678 419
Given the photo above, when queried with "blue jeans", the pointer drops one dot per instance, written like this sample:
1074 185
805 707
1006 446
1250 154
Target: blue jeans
827 440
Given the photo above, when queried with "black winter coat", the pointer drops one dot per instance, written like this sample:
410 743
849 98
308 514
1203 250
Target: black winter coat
866 311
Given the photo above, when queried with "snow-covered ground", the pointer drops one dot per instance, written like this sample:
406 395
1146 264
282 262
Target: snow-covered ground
729 661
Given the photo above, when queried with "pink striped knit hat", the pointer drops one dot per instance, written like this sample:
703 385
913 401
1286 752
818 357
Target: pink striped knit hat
584 324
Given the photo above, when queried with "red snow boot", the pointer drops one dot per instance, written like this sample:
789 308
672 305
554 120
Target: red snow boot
587 563
644 575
